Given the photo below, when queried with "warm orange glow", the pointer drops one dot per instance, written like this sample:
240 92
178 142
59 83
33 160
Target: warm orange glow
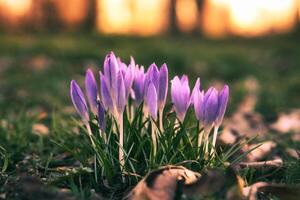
15 8
248 17
132 16
72 12
215 18
256 17
186 14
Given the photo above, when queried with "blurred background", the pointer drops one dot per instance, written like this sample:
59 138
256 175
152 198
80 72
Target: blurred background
251 44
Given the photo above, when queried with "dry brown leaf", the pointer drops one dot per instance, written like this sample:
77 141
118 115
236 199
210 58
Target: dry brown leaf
281 191
162 183
40 129
260 152
288 122
269 164
171 182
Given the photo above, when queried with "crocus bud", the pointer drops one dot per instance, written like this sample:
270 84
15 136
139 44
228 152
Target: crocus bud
195 89
198 97
128 79
210 108
152 75
151 101
180 95
91 90
101 116
163 86
120 94
222 104
105 95
138 85
79 101
111 69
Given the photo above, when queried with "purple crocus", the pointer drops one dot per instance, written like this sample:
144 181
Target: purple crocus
79 101
101 116
151 100
180 95
105 94
111 69
162 86
120 94
91 90
138 85
222 104
210 107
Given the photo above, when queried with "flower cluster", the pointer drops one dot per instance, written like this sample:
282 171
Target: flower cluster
121 84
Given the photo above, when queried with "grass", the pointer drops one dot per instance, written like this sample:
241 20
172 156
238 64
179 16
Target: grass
63 158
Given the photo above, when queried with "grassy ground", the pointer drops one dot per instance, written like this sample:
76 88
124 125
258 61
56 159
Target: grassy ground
35 71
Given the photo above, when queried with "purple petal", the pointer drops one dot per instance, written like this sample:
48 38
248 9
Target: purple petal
222 100
138 85
79 101
163 86
105 95
152 75
198 105
91 90
101 116
111 69
180 95
211 106
151 100
128 79
196 88
120 95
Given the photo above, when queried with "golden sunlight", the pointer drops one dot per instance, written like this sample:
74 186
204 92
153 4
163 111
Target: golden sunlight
132 16
248 17
15 8
186 15
72 12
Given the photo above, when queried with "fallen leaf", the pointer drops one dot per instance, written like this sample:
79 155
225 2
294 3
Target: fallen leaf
40 129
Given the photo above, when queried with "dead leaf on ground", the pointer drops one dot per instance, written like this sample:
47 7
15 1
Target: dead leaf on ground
288 122
40 129
281 191
171 182
260 152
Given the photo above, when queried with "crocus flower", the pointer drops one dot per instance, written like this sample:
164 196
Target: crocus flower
121 95
162 86
138 85
210 107
105 94
151 100
222 104
180 95
91 90
79 101
111 69
101 116
198 98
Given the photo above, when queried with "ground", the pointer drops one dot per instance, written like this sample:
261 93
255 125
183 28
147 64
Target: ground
37 115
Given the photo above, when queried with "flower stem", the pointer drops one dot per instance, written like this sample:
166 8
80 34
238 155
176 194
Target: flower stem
213 149
94 146
153 135
121 141
200 138
161 127
89 131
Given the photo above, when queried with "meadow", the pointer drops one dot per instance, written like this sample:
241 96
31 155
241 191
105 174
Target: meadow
40 134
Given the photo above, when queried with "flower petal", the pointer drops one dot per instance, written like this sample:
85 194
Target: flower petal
222 100
91 90
79 101
105 95
151 99
162 86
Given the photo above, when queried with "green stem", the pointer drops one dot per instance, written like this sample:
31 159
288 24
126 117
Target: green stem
121 141
213 150
161 127
89 131
153 135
